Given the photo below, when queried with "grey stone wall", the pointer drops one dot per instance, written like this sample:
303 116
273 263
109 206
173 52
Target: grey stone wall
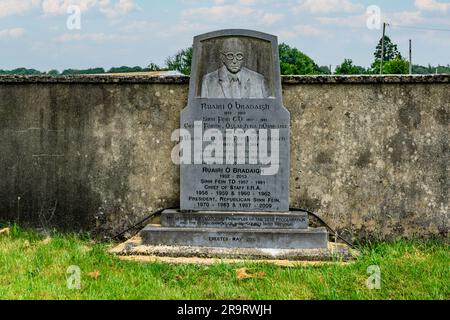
369 154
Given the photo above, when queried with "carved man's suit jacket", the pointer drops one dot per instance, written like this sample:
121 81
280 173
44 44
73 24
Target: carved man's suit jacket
217 85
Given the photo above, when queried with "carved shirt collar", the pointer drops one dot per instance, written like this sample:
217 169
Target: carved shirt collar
226 76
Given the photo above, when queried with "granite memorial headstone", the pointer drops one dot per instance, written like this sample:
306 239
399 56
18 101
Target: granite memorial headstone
238 127
234 152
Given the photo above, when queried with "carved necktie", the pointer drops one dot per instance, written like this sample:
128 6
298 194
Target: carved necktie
235 86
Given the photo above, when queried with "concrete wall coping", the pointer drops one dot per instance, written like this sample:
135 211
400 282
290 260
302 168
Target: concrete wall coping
287 80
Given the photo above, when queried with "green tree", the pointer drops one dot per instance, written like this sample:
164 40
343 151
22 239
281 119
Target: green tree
420 69
153 67
125 69
294 62
396 66
23 71
53 72
347 67
325 70
430 69
390 53
390 50
84 71
443 69
181 61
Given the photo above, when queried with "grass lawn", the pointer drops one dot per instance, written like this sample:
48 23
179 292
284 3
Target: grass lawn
32 267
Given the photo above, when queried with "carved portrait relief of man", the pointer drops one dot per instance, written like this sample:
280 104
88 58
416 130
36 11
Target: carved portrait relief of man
233 80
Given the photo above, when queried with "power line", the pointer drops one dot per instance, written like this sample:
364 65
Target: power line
420 28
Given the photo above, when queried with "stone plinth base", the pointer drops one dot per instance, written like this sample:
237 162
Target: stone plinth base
236 238
137 249
257 235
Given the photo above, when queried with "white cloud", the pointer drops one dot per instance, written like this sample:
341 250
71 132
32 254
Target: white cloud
12 33
403 18
230 12
141 26
349 21
300 30
118 9
161 30
271 18
221 12
327 6
59 7
432 5
111 9
96 37
247 2
13 7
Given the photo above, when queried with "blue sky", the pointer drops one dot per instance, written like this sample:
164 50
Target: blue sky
34 33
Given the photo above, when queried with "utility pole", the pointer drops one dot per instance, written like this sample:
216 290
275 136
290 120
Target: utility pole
382 47
410 56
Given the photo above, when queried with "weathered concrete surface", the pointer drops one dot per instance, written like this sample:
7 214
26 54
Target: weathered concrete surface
372 159
369 154
97 156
